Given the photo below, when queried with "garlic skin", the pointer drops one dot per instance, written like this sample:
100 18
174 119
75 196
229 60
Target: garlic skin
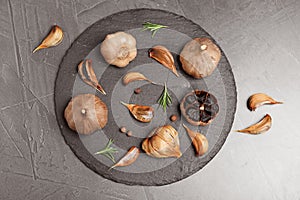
200 57
54 38
260 127
259 99
163 143
86 113
119 49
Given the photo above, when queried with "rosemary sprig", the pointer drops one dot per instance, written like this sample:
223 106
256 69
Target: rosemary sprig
152 27
165 98
108 151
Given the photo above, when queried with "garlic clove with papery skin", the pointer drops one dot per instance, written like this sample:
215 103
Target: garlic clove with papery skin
162 55
199 141
260 127
163 143
54 38
259 99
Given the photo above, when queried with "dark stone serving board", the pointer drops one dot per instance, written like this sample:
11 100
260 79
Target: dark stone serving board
146 170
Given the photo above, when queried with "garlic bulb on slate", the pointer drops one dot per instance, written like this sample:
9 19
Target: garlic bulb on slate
119 49
86 113
200 57
163 143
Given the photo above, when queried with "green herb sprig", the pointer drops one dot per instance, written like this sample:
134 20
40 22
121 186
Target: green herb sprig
108 151
152 27
165 98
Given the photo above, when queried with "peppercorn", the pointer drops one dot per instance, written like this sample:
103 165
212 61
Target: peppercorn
129 133
173 118
137 90
123 129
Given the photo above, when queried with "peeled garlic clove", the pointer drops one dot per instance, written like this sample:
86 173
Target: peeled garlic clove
260 127
54 38
92 79
130 157
260 99
135 76
139 112
162 55
162 143
199 141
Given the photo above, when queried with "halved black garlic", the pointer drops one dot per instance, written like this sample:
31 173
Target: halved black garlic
199 107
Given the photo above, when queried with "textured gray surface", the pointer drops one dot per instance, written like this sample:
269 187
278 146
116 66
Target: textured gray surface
261 40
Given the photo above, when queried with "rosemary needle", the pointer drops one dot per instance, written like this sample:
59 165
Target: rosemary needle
165 98
108 151
152 27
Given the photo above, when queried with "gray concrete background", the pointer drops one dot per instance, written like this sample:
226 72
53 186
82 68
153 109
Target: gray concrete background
261 40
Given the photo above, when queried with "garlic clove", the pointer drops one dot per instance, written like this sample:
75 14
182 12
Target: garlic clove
162 55
199 141
163 142
259 99
54 38
129 158
141 113
260 127
135 76
92 79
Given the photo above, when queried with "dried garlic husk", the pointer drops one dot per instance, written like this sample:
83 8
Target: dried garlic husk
129 158
260 99
199 141
260 127
163 143
162 55
139 112
54 38
135 76
92 79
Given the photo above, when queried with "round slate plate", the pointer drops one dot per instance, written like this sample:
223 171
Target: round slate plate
146 170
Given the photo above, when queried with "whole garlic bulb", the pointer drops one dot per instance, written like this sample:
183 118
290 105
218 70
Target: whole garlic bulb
200 57
163 143
119 49
86 113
